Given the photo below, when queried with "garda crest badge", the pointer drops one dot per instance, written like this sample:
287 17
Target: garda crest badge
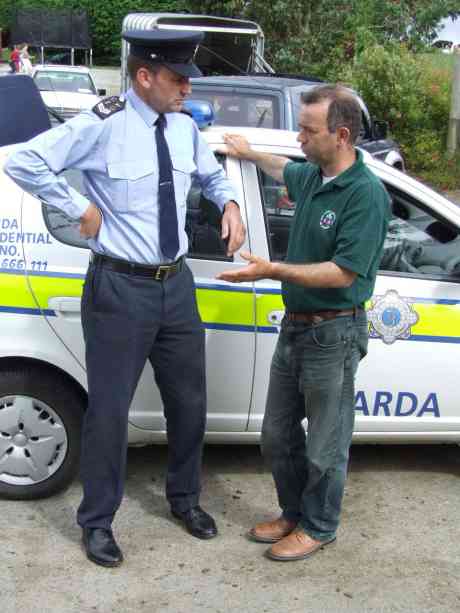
327 220
391 317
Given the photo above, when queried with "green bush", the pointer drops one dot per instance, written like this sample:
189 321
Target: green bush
412 93
390 80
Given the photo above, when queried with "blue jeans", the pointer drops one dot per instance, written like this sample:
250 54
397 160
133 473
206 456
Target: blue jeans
312 375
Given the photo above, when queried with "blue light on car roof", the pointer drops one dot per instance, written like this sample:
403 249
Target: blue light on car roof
201 111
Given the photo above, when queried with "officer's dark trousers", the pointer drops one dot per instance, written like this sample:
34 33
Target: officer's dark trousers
128 320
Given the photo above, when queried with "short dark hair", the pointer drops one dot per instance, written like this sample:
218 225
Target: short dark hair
344 110
133 64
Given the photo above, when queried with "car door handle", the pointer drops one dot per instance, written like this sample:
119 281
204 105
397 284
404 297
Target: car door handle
65 306
275 317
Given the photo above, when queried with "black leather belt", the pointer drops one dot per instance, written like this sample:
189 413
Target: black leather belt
158 273
316 317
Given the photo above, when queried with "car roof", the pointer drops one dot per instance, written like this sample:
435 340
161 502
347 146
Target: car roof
61 68
279 83
252 80
265 137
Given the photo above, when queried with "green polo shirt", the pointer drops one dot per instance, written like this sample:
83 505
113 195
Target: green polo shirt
343 221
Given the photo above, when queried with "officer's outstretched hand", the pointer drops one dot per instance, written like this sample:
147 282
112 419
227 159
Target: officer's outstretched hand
233 227
90 222
257 268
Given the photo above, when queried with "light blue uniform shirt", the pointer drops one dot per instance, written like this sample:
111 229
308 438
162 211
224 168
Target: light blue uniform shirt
118 160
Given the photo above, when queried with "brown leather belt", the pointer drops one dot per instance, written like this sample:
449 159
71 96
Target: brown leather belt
316 317
157 273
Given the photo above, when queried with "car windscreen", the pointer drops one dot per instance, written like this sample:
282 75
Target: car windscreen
236 109
60 81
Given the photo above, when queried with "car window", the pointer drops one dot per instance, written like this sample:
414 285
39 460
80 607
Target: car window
203 221
54 80
60 225
278 213
418 243
203 224
237 109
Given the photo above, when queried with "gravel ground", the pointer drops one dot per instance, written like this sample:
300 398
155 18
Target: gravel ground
397 547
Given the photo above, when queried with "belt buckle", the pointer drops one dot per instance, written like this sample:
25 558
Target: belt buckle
159 272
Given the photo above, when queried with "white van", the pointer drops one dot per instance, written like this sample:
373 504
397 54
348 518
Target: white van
230 45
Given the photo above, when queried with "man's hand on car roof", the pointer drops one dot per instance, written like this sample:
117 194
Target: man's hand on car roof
238 146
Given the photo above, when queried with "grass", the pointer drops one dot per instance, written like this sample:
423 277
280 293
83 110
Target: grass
429 160
439 60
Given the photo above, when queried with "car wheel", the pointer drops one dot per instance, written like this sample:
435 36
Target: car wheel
40 427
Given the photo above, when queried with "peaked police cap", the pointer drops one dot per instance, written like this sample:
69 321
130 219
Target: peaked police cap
175 49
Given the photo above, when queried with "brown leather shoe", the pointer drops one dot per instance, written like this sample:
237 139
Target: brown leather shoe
296 546
272 531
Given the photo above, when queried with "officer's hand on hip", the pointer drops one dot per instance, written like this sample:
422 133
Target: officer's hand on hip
233 227
90 222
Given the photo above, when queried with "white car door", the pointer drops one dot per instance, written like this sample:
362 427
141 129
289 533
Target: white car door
406 386
56 259
227 311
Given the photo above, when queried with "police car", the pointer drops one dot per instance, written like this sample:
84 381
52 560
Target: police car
406 389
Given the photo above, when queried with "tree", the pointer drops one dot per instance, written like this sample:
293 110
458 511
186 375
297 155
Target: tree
317 36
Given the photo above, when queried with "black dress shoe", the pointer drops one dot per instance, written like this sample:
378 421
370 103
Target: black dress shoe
197 522
101 547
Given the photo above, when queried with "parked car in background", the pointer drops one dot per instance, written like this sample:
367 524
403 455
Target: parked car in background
265 100
446 46
66 90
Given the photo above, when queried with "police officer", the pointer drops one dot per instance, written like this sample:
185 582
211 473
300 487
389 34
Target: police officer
137 154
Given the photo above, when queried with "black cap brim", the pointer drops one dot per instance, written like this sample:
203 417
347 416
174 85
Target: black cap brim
174 49
186 70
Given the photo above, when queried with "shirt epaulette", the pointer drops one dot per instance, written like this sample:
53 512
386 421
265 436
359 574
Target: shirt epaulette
107 107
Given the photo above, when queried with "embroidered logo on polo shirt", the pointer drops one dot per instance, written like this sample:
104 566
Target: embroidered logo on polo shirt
327 220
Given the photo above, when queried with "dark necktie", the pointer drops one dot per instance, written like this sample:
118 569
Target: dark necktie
169 237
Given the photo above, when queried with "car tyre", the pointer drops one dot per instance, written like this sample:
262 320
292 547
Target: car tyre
40 430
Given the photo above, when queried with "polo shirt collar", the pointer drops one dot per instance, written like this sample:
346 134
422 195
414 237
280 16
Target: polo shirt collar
144 110
347 176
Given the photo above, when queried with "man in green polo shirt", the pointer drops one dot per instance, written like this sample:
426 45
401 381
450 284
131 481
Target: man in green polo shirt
333 255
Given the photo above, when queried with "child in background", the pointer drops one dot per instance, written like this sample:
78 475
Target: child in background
26 64
15 59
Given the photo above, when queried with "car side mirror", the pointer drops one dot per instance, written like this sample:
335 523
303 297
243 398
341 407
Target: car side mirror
102 92
379 129
441 232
